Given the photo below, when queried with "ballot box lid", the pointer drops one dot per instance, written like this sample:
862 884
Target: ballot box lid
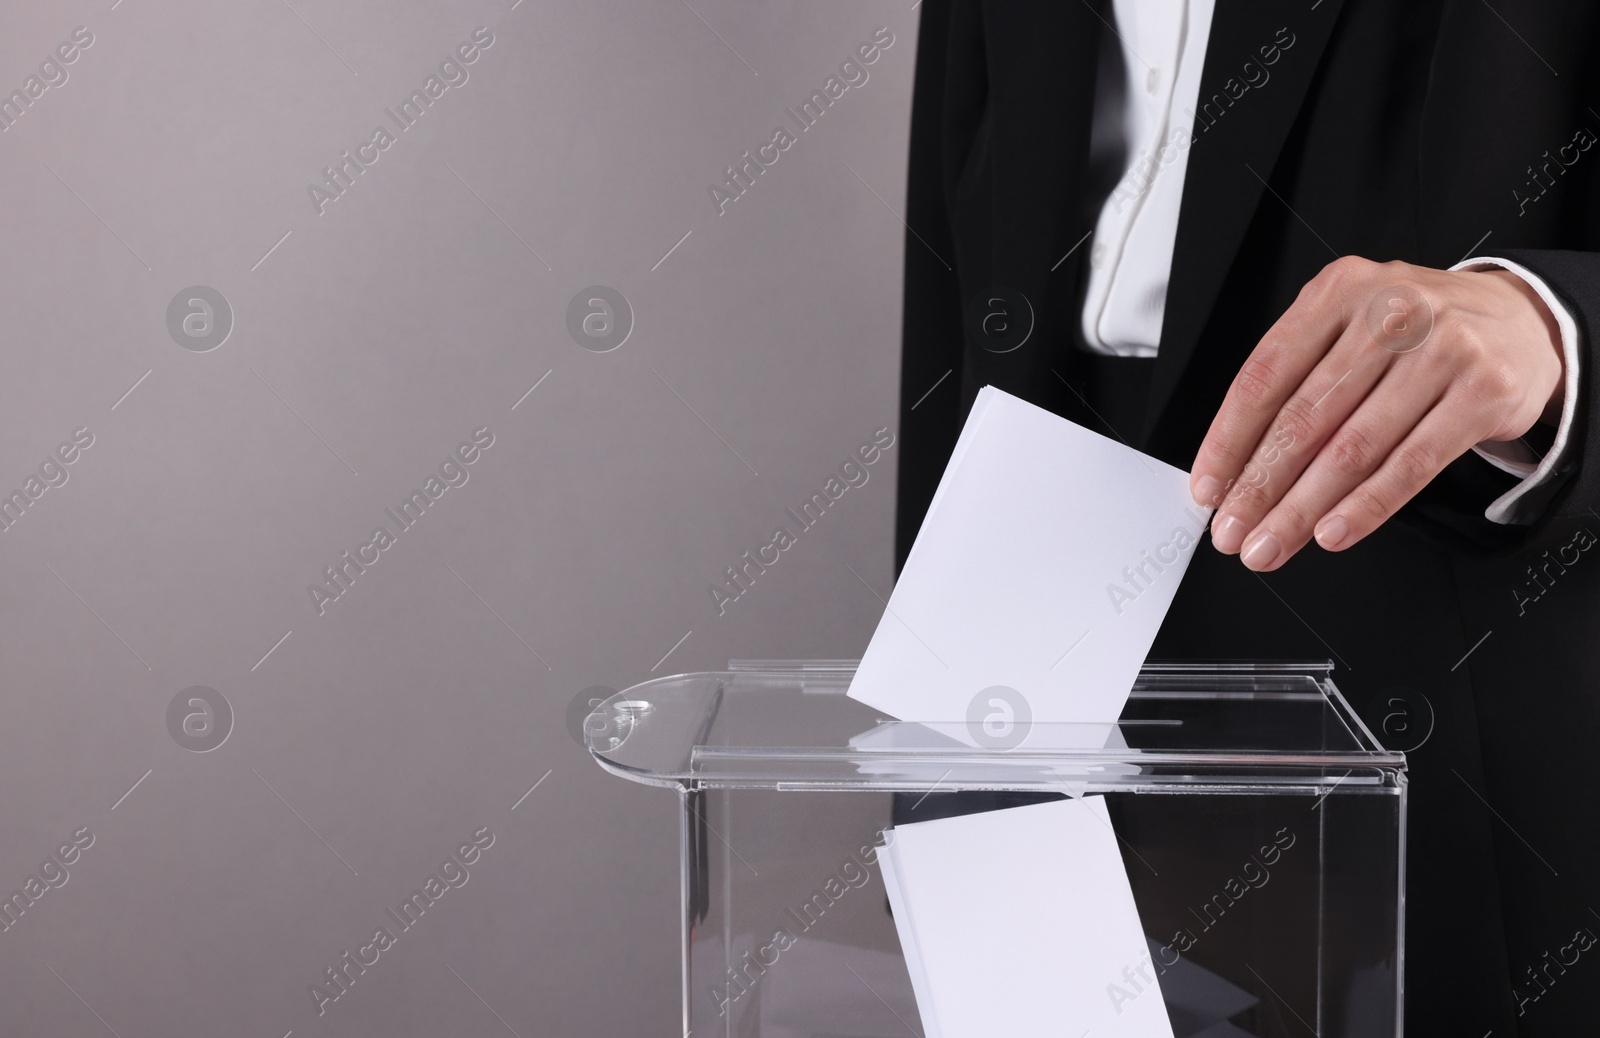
788 724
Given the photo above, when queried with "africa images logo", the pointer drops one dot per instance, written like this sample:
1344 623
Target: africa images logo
453 472
340 176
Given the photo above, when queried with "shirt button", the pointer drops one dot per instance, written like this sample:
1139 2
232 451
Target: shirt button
1097 255
1152 81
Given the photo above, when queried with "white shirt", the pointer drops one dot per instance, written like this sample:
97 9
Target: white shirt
1149 118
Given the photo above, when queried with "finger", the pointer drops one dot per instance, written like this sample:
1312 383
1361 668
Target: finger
1279 363
1316 410
1349 457
1444 434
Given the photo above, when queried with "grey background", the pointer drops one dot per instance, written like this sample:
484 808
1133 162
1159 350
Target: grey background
368 342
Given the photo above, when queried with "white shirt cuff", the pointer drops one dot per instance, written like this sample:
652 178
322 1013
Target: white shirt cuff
1523 502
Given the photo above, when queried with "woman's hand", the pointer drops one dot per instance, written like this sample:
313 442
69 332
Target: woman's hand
1378 376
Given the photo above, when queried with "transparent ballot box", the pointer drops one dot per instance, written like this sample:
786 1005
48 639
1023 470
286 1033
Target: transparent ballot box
1261 825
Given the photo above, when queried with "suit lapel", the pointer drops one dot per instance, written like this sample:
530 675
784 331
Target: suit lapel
1239 131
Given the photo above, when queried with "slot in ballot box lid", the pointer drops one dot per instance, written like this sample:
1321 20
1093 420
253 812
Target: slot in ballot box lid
788 724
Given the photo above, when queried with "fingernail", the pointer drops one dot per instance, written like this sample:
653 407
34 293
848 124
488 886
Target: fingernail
1263 551
1208 491
1228 533
1333 532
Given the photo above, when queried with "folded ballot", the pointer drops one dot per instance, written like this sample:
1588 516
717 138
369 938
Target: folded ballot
1046 562
1021 922
1036 586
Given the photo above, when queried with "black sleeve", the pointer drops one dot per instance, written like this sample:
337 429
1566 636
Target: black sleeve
1575 279
1451 508
947 99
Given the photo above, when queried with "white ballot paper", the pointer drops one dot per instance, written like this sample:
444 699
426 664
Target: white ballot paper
1037 583
1020 922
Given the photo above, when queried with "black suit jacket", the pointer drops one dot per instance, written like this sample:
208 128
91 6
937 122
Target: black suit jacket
1425 131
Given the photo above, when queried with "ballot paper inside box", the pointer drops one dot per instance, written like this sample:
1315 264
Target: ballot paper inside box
1261 827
